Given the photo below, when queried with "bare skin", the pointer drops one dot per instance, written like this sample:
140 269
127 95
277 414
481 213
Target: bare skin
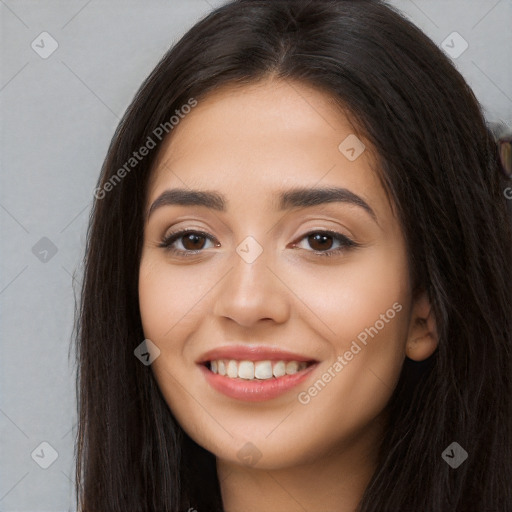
316 453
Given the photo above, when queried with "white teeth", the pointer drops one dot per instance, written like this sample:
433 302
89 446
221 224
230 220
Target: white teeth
232 369
292 367
263 370
246 370
249 370
279 369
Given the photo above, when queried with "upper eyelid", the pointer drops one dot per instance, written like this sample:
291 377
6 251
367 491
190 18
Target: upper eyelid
184 231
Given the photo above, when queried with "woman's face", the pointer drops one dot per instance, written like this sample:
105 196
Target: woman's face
310 327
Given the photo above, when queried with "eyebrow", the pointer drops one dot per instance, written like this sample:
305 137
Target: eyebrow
287 200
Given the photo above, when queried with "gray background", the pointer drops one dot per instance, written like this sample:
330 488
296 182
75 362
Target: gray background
58 116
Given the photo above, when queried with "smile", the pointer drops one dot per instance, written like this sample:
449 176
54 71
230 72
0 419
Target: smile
254 373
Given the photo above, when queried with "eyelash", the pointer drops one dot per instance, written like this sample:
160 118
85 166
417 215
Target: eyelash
346 243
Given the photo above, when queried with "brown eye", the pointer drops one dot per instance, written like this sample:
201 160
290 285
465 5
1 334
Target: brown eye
192 242
320 241
323 243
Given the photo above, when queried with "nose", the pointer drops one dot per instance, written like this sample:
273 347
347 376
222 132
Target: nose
253 292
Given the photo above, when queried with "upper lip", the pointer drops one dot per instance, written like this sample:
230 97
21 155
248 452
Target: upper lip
251 353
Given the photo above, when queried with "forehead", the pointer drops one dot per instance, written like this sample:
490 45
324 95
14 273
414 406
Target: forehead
256 113
263 137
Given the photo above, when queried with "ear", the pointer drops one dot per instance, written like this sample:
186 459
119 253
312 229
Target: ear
422 339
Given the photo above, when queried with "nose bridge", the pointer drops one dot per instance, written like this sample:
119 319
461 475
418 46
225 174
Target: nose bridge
250 291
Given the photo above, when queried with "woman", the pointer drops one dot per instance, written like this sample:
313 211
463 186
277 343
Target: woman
297 290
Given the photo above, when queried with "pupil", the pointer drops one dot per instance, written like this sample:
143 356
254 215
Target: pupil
319 238
194 239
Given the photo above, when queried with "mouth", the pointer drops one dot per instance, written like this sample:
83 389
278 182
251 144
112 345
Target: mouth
254 374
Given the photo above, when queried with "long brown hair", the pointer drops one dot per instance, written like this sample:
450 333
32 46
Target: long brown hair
439 163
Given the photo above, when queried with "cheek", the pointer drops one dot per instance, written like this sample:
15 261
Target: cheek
170 300
367 312
343 301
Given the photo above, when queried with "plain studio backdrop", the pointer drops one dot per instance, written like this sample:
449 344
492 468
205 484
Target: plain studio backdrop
68 71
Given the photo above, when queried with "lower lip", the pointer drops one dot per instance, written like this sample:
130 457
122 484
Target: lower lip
255 390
